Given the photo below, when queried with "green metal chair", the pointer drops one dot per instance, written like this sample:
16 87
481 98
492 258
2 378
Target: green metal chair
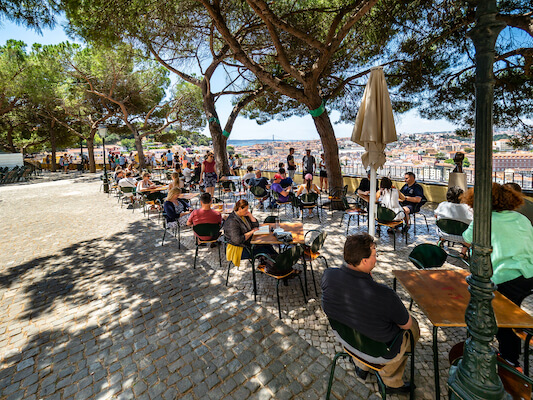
308 202
351 209
425 256
207 230
386 217
228 187
259 194
312 252
284 262
372 348
129 193
289 202
175 230
451 231
418 212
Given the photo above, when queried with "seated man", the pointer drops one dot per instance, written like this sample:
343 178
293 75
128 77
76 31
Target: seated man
414 194
285 194
261 182
351 297
128 181
285 181
204 215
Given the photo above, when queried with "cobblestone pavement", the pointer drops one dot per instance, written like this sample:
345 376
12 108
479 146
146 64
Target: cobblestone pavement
94 307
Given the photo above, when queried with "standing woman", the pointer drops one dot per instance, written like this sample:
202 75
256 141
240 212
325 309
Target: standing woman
65 163
308 186
208 174
323 174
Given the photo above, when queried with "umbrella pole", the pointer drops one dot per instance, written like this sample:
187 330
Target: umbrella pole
372 203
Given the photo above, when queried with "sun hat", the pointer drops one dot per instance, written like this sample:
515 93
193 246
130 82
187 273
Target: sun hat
308 177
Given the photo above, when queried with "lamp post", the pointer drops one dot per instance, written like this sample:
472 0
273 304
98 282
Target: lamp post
476 376
102 132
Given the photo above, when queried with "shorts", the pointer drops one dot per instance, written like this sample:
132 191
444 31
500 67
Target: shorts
323 174
410 207
169 163
210 179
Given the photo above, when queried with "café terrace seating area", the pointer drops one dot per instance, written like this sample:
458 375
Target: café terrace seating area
75 287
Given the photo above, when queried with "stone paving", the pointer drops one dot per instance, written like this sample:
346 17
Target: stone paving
94 307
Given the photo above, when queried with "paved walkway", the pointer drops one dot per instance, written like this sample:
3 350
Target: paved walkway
94 307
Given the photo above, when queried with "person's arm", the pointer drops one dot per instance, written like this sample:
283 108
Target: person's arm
202 173
408 324
189 220
418 194
299 192
401 196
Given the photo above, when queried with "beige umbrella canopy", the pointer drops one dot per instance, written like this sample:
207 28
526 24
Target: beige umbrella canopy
374 128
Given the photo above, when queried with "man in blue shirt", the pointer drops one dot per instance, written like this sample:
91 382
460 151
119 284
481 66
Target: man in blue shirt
170 157
285 181
414 195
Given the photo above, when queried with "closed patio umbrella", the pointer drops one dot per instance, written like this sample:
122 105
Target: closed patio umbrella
374 128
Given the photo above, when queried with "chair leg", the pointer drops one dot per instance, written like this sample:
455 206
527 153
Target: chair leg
381 385
348 224
526 354
277 294
195 255
302 287
342 218
411 304
412 377
332 373
179 235
324 258
219 256
313 276
227 275
394 284
164 234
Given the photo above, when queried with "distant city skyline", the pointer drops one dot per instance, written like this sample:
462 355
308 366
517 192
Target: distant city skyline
302 127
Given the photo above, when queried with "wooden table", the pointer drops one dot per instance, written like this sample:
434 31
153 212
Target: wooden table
297 231
187 196
155 189
443 296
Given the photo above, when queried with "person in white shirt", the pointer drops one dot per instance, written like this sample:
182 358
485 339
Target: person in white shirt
388 196
452 208
128 181
248 175
187 173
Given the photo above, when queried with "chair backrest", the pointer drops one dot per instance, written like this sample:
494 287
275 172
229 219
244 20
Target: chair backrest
427 255
451 226
385 214
127 189
258 191
418 206
228 185
309 198
271 219
318 242
286 259
361 342
207 230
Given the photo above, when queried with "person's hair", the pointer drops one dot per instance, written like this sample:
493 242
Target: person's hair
236 156
385 183
175 177
188 164
249 168
281 165
514 186
357 247
172 192
145 174
453 195
308 182
282 170
240 204
258 172
205 198
118 168
503 198
128 173
291 149
412 174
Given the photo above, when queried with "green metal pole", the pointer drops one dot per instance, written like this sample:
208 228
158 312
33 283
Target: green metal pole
476 376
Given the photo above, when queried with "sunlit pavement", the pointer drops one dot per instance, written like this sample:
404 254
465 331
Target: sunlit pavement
94 307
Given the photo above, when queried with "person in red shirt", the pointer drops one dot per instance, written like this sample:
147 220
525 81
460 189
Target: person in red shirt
208 175
204 215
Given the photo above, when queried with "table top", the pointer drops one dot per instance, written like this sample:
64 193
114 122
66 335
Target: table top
230 178
443 296
188 196
296 228
154 189
225 208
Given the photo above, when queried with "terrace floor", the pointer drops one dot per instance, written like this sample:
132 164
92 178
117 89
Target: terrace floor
94 307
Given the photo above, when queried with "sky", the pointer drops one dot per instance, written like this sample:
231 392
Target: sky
299 128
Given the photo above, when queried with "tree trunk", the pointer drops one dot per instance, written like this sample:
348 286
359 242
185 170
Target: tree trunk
215 128
90 150
139 147
10 139
331 154
53 147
